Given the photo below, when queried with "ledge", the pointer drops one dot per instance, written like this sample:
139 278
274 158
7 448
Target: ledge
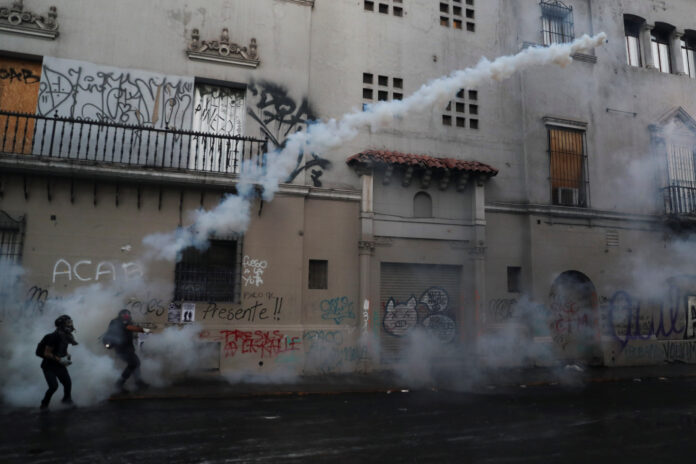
215 58
29 31
90 170
572 213
309 3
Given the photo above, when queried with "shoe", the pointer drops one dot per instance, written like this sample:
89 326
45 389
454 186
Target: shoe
120 386
69 403
44 406
142 385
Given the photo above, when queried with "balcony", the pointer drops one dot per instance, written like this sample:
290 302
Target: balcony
680 201
27 139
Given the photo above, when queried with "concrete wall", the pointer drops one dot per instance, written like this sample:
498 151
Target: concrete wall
312 62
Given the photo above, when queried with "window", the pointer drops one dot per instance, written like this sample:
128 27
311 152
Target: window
660 49
688 48
422 205
460 110
219 111
210 275
11 238
568 166
632 31
384 6
681 171
387 88
453 14
556 22
318 274
513 279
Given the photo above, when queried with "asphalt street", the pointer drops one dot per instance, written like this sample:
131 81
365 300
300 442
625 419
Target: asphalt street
653 420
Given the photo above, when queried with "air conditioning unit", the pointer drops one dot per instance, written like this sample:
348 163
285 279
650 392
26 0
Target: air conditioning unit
567 196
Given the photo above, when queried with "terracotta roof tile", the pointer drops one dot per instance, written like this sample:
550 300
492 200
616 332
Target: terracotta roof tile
382 157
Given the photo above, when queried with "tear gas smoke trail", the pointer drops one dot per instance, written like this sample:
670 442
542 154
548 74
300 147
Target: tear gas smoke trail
232 215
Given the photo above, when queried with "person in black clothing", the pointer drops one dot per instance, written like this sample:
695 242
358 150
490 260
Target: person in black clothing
56 359
120 338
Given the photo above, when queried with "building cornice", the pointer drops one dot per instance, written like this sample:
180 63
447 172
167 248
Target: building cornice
555 211
16 20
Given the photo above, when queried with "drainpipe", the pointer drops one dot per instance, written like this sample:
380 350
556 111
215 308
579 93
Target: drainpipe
366 249
477 252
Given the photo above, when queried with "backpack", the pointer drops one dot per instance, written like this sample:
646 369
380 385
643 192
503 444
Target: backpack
112 337
41 348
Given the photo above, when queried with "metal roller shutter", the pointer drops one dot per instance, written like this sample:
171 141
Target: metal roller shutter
417 295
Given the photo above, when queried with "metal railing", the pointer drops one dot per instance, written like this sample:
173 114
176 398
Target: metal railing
87 140
679 200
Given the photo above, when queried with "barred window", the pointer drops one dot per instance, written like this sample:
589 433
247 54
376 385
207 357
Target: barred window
210 275
556 22
568 164
11 238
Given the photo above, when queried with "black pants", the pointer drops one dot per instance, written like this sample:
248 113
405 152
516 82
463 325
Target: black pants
133 365
54 372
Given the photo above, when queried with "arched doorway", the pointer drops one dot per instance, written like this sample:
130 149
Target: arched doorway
574 319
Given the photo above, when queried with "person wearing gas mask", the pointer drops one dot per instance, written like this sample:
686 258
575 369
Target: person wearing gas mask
53 348
119 336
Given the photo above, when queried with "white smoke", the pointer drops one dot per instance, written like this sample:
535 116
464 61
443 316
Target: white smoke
173 352
94 371
232 214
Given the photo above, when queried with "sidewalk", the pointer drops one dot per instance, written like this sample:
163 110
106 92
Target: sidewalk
212 386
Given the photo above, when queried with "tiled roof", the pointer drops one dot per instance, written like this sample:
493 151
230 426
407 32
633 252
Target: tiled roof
373 158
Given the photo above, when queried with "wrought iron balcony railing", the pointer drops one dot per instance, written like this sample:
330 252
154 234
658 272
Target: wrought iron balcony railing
86 140
680 200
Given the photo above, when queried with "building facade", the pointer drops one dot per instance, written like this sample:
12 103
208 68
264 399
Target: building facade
545 217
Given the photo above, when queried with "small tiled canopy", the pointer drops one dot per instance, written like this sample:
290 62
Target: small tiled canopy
376 158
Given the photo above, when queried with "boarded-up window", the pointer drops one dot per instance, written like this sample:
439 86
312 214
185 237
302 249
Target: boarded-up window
19 93
567 154
220 111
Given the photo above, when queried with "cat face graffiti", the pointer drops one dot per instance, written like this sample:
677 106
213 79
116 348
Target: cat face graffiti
400 318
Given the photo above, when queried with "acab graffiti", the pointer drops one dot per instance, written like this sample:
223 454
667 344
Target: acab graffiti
85 271
431 311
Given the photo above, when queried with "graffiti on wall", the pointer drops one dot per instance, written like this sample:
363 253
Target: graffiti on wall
23 75
337 309
629 319
501 309
279 115
252 272
263 343
431 311
265 306
147 306
86 271
327 352
88 91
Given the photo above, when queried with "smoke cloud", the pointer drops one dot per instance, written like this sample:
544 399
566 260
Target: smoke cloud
174 352
232 214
